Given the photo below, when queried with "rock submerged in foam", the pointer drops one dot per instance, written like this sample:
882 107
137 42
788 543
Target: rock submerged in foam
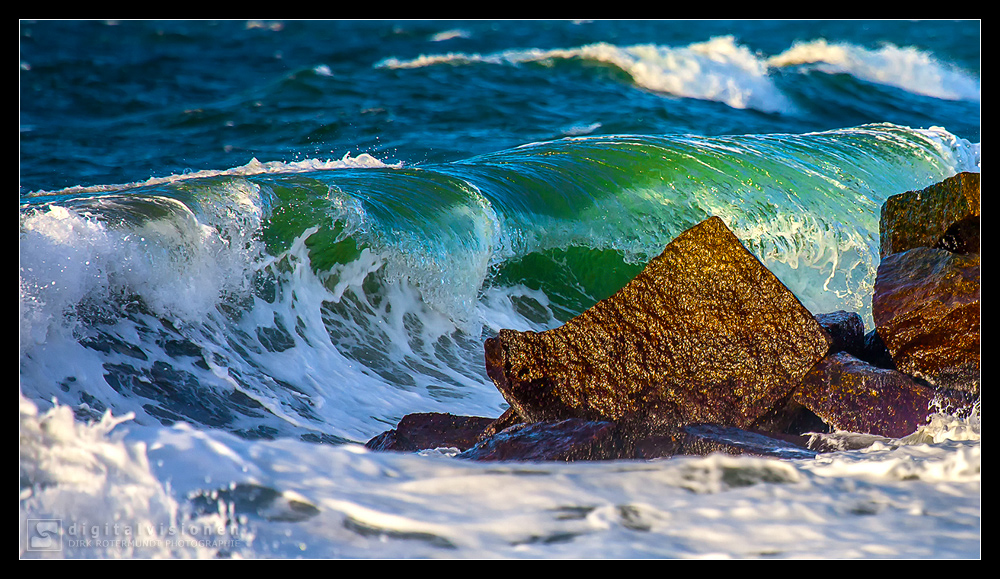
423 430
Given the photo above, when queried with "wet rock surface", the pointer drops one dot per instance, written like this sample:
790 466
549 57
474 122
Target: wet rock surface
700 439
846 331
945 214
564 440
855 396
705 333
579 439
425 430
927 311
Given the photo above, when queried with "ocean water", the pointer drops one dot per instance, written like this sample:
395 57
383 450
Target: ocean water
247 247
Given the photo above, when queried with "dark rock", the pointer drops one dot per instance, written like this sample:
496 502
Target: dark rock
705 439
875 351
578 439
420 431
509 418
563 440
926 308
790 418
962 237
705 333
740 441
846 329
852 395
946 213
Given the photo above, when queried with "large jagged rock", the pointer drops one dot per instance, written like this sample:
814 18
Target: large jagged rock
944 215
926 308
705 333
855 396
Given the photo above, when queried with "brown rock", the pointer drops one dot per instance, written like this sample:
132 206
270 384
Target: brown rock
421 431
945 214
852 395
926 308
705 333
790 418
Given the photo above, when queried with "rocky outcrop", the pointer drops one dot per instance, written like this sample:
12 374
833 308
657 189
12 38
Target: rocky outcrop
705 333
706 351
927 311
926 302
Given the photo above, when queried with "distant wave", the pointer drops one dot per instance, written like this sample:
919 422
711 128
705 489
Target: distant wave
907 68
718 70
722 70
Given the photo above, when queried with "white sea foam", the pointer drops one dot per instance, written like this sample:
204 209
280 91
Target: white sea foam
449 34
908 68
253 167
897 500
87 493
178 264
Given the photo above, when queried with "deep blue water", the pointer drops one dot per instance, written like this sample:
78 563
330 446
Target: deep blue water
115 102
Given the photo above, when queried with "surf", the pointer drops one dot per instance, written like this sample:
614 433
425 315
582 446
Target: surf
267 299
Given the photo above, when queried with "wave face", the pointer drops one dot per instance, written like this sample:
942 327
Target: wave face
723 70
266 300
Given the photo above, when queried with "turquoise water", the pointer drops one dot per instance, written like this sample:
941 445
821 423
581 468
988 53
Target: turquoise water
287 235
